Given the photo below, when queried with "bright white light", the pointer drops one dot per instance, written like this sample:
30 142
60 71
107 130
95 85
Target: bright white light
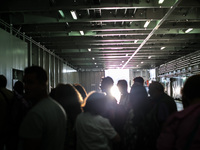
135 41
149 57
126 54
122 61
142 62
115 92
188 30
95 63
160 1
89 49
73 13
93 58
162 48
81 32
66 71
116 75
61 13
146 23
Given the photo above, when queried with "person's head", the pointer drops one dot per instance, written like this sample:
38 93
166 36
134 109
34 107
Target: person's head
122 86
138 96
70 99
35 83
81 90
156 89
95 103
106 84
19 87
138 81
191 90
3 81
67 95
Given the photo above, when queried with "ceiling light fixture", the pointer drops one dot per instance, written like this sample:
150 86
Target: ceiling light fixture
93 58
95 63
89 49
81 32
142 62
61 13
73 13
146 23
162 48
149 57
188 30
160 1
135 41
126 54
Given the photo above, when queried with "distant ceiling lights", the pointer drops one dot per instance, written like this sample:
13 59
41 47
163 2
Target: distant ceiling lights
188 30
61 13
160 1
146 23
149 57
89 49
93 58
73 13
162 48
142 62
135 41
81 32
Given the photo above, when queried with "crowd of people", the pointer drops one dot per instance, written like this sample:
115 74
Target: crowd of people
69 118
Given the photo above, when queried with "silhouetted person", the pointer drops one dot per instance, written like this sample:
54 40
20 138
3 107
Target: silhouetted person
44 126
70 99
114 112
182 130
138 81
138 108
94 132
123 88
6 99
166 104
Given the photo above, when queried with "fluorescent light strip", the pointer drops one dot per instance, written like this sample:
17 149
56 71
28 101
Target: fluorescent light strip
160 1
61 13
162 48
73 13
81 32
153 31
146 23
188 30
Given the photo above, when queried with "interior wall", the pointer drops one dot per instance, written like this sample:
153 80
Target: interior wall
13 55
90 80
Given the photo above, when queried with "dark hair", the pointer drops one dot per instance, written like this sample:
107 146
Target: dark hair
95 103
191 89
70 99
155 85
3 81
41 74
122 83
19 87
139 80
107 80
81 90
